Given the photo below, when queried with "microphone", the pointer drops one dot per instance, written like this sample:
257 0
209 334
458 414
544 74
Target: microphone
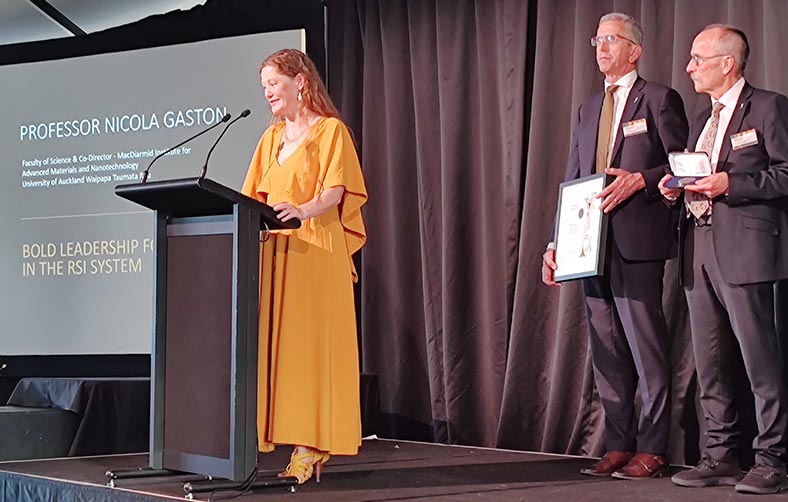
165 152
243 115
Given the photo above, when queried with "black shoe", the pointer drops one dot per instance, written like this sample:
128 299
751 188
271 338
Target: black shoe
709 472
763 479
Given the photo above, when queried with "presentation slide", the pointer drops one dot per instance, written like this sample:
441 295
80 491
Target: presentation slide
76 261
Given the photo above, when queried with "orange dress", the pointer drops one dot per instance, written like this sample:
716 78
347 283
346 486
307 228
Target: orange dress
308 378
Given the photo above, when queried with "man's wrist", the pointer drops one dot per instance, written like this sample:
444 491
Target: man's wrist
550 245
668 201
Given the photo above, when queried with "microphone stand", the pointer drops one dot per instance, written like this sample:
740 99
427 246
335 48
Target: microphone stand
147 171
204 169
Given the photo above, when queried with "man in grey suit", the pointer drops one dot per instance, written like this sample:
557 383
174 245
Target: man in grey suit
734 245
631 126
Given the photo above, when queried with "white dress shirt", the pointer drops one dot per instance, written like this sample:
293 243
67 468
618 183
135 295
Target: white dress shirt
620 96
728 100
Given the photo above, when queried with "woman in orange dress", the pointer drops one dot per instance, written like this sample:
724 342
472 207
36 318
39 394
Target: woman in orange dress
306 167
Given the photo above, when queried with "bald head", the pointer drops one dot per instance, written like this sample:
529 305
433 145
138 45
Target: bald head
733 41
717 59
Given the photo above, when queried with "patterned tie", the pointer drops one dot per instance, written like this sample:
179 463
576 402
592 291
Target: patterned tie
698 204
605 126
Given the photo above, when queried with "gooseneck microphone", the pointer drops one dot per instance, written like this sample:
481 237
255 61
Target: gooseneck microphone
204 170
165 152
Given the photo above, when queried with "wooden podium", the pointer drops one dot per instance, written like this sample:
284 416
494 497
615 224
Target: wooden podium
205 322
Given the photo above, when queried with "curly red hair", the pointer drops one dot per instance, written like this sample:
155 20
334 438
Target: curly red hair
314 96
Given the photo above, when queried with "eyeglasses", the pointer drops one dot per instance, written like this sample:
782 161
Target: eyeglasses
699 60
597 40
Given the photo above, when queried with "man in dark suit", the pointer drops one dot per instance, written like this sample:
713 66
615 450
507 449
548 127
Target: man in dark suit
631 126
734 240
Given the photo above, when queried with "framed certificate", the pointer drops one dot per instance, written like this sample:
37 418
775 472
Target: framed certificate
581 229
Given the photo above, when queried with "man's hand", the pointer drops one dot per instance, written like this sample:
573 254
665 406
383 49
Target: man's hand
711 186
621 188
548 267
670 194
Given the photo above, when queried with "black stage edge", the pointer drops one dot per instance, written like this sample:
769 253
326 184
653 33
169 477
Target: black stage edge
384 470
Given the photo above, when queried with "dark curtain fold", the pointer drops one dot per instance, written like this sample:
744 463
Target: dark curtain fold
443 130
463 113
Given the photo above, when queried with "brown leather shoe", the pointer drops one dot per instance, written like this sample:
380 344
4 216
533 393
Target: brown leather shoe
643 466
611 461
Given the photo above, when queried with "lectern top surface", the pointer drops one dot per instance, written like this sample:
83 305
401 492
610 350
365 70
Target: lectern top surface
187 197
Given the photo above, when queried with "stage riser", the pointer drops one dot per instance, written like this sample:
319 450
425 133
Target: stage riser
29 433
16 488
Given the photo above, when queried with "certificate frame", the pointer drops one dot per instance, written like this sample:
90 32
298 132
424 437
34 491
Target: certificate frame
581 229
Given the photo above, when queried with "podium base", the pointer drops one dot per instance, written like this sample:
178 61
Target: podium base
115 476
209 486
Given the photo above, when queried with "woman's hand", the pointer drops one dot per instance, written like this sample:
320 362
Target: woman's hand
321 203
286 211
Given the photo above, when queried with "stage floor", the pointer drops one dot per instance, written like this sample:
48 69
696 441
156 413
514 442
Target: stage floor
384 470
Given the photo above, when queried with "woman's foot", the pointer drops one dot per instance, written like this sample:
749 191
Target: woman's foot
303 463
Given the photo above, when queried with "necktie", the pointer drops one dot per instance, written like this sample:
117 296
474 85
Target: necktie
697 204
605 130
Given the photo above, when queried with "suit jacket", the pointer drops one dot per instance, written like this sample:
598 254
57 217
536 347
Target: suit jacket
750 224
642 226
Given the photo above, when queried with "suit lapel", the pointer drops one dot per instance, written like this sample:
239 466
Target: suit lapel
631 107
590 116
742 108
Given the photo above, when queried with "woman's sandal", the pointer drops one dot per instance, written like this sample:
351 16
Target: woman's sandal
303 465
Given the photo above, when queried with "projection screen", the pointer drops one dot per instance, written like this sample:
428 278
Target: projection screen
76 260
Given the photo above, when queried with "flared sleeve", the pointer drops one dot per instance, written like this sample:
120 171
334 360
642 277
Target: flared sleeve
340 167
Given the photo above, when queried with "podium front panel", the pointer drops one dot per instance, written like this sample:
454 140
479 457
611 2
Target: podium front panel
199 336
204 366
206 300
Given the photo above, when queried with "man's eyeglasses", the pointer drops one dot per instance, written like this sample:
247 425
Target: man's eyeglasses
699 60
597 40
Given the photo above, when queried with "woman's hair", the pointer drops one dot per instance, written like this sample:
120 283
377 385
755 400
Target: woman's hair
314 96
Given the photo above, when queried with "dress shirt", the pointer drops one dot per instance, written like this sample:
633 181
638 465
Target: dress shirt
729 100
620 96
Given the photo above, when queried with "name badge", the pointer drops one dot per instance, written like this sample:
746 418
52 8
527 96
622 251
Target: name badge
635 127
744 139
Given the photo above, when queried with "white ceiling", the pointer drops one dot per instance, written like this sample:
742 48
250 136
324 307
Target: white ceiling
21 21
